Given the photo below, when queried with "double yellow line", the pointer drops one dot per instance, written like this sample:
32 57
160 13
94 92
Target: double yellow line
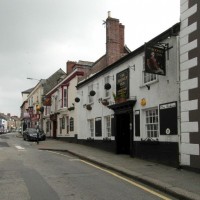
127 180
122 178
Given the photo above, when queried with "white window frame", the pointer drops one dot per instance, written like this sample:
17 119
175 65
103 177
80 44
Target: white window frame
107 120
65 97
71 124
60 123
91 127
59 99
148 78
152 123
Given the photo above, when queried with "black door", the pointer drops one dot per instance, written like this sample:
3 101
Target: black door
123 133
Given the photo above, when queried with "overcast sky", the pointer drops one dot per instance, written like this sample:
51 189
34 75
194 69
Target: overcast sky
38 37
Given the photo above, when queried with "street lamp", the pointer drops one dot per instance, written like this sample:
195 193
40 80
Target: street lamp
38 108
33 79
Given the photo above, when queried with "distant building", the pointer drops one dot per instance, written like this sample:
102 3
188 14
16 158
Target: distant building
32 108
9 123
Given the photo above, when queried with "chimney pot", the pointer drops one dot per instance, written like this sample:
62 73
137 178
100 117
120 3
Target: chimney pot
109 14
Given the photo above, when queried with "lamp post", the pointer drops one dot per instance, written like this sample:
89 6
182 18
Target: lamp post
33 79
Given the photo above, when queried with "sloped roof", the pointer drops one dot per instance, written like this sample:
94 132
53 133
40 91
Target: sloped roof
2 116
174 30
28 91
53 80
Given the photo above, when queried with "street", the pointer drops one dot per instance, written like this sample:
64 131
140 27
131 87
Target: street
28 173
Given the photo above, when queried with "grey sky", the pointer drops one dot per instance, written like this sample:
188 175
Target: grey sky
39 36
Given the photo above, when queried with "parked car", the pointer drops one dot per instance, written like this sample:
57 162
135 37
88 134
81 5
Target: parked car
30 134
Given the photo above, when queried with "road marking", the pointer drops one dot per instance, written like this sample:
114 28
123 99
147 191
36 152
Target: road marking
60 154
19 148
127 180
74 159
120 177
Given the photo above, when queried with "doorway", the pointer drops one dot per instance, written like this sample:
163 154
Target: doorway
123 135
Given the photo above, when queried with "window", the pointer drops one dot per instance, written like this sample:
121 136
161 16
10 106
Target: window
55 103
59 98
47 127
108 126
107 80
60 122
98 127
63 123
91 127
65 97
149 77
90 98
152 123
71 125
67 124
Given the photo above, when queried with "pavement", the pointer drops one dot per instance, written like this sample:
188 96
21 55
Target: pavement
180 183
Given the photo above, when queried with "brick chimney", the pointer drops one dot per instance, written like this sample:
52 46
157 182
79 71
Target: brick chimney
114 39
69 67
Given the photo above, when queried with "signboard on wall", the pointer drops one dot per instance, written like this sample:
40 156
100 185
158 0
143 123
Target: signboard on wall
168 119
155 60
122 84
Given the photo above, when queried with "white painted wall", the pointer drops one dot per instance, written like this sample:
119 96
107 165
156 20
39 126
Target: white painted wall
165 90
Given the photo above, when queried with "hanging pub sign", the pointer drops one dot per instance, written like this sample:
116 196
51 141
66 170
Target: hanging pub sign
46 101
155 60
122 84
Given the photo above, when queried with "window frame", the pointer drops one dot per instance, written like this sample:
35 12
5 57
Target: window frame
107 120
91 127
145 75
71 124
65 91
152 122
